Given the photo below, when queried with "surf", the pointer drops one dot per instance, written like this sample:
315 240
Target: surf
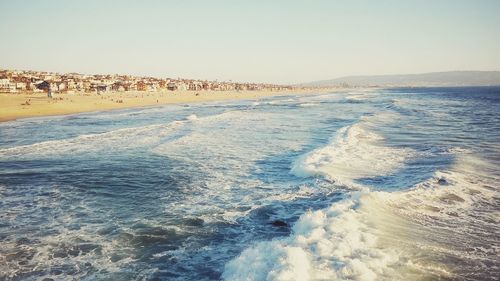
373 235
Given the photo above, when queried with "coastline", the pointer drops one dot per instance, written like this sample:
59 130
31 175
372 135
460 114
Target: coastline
25 105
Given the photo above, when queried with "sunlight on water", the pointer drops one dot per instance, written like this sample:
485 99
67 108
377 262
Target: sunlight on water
395 184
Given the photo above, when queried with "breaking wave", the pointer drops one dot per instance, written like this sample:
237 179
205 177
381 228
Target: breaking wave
353 153
388 236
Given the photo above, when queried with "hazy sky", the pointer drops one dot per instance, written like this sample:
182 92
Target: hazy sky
262 41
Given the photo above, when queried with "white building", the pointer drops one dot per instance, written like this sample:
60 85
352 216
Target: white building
21 86
6 86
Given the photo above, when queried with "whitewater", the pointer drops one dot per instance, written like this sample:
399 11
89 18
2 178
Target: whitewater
377 184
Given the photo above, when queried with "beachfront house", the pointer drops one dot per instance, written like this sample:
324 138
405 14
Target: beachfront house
195 86
153 86
118 86
182 86
5 85
171 86
43 85
21 86
102 88
141 86
32 81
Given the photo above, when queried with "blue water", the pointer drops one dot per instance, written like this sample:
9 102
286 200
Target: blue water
392 184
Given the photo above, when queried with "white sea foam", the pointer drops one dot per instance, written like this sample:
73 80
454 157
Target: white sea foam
383 235
352 154
384 117
331 244
221 150
281 101
224 116
360 96
308 104
458 150
192 117
322 97
70 243
116 139
339 242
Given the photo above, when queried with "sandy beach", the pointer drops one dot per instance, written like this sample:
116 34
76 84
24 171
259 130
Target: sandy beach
22 105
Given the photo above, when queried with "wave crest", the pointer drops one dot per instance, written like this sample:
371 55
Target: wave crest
354 153
387 235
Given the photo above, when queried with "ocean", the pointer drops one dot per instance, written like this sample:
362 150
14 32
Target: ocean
368 184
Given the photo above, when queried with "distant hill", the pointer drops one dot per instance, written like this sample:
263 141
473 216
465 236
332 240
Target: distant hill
450 78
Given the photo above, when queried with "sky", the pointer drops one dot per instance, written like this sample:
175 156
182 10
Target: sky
257 41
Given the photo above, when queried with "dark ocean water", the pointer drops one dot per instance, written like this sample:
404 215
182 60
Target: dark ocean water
398 184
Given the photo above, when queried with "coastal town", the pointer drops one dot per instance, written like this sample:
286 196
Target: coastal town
22 81
26 93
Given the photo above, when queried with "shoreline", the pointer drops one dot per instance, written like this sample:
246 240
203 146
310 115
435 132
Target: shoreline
27 105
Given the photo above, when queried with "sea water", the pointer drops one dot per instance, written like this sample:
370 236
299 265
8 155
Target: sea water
377 184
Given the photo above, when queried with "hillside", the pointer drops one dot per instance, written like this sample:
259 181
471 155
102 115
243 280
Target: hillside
450 78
